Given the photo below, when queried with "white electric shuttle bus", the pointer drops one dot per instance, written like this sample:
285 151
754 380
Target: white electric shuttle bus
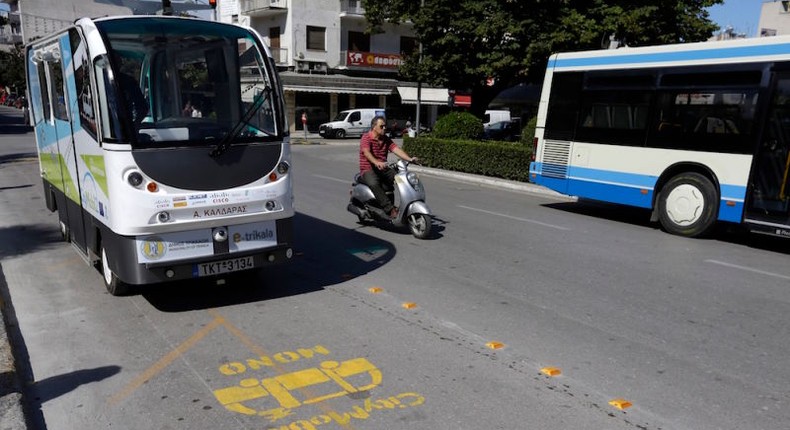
697 132
163 147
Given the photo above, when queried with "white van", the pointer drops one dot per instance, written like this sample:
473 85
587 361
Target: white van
351 122
492 116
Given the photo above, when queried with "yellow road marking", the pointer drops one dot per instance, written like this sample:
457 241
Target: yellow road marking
235 331
165 361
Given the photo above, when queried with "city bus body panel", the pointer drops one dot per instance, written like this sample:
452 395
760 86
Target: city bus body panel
163 195
612 137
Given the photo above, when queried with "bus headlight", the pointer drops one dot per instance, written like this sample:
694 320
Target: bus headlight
163 216
283 167
135 179
271 205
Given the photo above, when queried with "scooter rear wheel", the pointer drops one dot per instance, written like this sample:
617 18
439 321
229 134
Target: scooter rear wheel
420 225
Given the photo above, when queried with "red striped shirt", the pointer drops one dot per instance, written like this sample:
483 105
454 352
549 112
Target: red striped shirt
378 147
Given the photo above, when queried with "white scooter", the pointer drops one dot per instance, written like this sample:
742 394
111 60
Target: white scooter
408 195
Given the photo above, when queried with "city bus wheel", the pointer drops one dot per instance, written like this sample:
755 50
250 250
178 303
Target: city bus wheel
420 225
114 286
688 205
340 134
65 234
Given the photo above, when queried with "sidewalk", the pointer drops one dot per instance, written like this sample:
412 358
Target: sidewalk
12 416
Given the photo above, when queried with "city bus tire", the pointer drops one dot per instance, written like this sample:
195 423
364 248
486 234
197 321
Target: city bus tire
688 205
340 134
114 286
420 225
65 234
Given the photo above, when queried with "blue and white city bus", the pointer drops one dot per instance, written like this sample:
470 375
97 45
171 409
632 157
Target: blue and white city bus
697 132
163 146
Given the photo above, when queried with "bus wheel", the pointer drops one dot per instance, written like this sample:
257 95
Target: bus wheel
114 286
687 206
339 134
64 232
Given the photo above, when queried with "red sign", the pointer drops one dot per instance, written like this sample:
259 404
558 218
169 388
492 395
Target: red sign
370 59
462 100
304 117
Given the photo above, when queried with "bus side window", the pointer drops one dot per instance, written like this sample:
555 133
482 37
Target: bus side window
563 110
46 113
108 102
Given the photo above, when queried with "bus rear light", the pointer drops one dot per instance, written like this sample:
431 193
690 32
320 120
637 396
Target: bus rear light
152 187
534 147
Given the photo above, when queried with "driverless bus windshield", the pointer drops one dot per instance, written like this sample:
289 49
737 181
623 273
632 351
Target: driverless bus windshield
185 83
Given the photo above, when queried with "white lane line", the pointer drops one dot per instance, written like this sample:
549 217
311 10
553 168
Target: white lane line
345 181
558 227
749 269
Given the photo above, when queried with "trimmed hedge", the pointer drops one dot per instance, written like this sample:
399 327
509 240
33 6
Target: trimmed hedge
497 159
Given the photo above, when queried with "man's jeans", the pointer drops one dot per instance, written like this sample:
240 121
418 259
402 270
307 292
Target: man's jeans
379 181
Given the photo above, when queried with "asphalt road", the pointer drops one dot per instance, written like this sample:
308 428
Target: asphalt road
369 327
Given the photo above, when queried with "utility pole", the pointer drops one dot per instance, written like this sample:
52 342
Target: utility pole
419 83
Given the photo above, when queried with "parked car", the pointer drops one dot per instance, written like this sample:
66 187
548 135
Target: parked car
503 130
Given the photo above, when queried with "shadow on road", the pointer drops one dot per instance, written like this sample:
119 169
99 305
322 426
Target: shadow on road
23 239
53 387
722 232
324 254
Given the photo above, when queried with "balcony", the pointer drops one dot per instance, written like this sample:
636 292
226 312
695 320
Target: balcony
280 56
10 39
263 8
351 9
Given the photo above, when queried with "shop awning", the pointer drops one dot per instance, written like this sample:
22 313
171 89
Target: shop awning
336 84
428 96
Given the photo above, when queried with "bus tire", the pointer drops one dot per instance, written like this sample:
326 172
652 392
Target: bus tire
687 205
114 286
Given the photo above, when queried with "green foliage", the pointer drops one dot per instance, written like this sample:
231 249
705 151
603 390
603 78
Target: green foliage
496 159
528 132
12 69
458 125
467 41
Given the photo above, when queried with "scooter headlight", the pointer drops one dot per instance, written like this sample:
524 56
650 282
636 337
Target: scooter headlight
414 180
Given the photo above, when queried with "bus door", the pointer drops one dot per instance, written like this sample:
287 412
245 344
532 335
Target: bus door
67 121
770 181
53 135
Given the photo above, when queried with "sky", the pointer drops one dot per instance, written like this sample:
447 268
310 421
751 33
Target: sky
742 15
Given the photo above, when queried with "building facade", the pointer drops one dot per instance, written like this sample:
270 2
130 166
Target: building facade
328 63
775 18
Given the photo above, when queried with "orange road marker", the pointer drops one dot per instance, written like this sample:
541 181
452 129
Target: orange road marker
409 305
495 345
621 404
550 371
375 290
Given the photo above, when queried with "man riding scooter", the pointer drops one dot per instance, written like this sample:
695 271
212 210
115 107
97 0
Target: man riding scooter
373 149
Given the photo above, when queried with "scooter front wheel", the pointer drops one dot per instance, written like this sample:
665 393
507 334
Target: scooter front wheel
420 225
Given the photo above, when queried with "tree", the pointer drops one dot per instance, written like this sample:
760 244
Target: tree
485 46
12 68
